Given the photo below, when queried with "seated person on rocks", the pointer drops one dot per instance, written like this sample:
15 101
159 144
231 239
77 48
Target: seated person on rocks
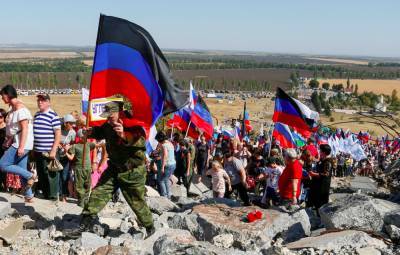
220 179
271 192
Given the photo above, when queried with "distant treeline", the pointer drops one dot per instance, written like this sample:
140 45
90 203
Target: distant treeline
324 71
68 65
372 71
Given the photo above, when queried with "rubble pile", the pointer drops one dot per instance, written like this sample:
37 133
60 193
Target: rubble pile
352 223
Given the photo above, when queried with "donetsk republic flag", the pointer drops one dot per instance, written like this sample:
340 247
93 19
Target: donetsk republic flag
128 62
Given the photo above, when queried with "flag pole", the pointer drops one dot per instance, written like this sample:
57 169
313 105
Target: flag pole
172 131
243 120
187 130
89 101
270 140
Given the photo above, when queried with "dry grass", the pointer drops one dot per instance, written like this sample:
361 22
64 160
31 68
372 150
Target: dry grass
260 110
62 104
88 62
342 61
376 86
38 55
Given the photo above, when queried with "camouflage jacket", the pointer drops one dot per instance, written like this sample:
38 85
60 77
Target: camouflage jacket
123 154
326 166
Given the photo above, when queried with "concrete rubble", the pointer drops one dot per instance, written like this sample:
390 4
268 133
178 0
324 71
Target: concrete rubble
351 223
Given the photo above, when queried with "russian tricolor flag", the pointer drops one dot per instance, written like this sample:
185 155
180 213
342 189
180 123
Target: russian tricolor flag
85 101
283 134
292 112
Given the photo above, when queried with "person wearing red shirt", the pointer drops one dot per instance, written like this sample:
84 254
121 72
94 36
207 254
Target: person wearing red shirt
290 180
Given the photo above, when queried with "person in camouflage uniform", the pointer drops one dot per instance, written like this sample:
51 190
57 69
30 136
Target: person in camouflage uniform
82 170
126 169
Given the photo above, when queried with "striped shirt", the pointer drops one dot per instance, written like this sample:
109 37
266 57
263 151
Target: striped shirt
44 126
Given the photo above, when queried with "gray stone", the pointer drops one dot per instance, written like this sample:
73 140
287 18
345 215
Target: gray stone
111 250
393 218
223 240
44 234
113 223
368 251
198 189
10 233
178 191
161 221
125 226
207 221
185 203
116 241
337 240
186 244
150 192
363 184
91 241
5 209
356 211
159 205
393 232
225 201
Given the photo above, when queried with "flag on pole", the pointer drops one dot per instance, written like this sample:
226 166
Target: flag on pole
283 134
292 112
298 139
85 101
201 116
128 62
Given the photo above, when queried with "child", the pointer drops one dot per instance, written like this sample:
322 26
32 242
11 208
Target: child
272 174
82 171
219 177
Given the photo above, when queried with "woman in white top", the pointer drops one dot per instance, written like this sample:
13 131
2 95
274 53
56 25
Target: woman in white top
168 164
19 140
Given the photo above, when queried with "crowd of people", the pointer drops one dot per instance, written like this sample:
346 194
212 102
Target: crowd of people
256 171
30 145
56 158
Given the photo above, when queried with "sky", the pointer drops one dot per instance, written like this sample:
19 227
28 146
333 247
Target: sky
340 27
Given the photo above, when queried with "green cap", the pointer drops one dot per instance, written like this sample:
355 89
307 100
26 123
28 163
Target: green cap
111 107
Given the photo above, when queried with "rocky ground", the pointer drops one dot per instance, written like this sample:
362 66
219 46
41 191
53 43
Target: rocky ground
355 222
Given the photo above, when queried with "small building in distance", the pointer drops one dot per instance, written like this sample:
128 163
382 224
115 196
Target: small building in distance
381 106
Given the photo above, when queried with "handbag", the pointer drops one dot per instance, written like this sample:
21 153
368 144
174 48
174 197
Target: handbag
54 165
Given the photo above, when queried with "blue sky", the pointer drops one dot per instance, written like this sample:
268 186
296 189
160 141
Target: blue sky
357 27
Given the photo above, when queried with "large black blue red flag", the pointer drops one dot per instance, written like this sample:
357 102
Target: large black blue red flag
129 62
295 114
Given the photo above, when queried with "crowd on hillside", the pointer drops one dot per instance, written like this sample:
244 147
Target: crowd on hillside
46 156
45 152
257 171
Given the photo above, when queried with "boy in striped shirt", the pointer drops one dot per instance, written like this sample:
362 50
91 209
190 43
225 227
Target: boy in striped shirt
47 135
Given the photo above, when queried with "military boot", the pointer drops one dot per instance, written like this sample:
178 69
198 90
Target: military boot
84 226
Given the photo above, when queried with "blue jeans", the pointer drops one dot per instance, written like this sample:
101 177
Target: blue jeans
64 177
163 180
11 163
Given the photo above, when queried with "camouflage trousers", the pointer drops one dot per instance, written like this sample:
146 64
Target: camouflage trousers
132 185
83 181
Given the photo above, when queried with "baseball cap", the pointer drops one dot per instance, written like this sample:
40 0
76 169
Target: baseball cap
110 108
69 118
43 96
